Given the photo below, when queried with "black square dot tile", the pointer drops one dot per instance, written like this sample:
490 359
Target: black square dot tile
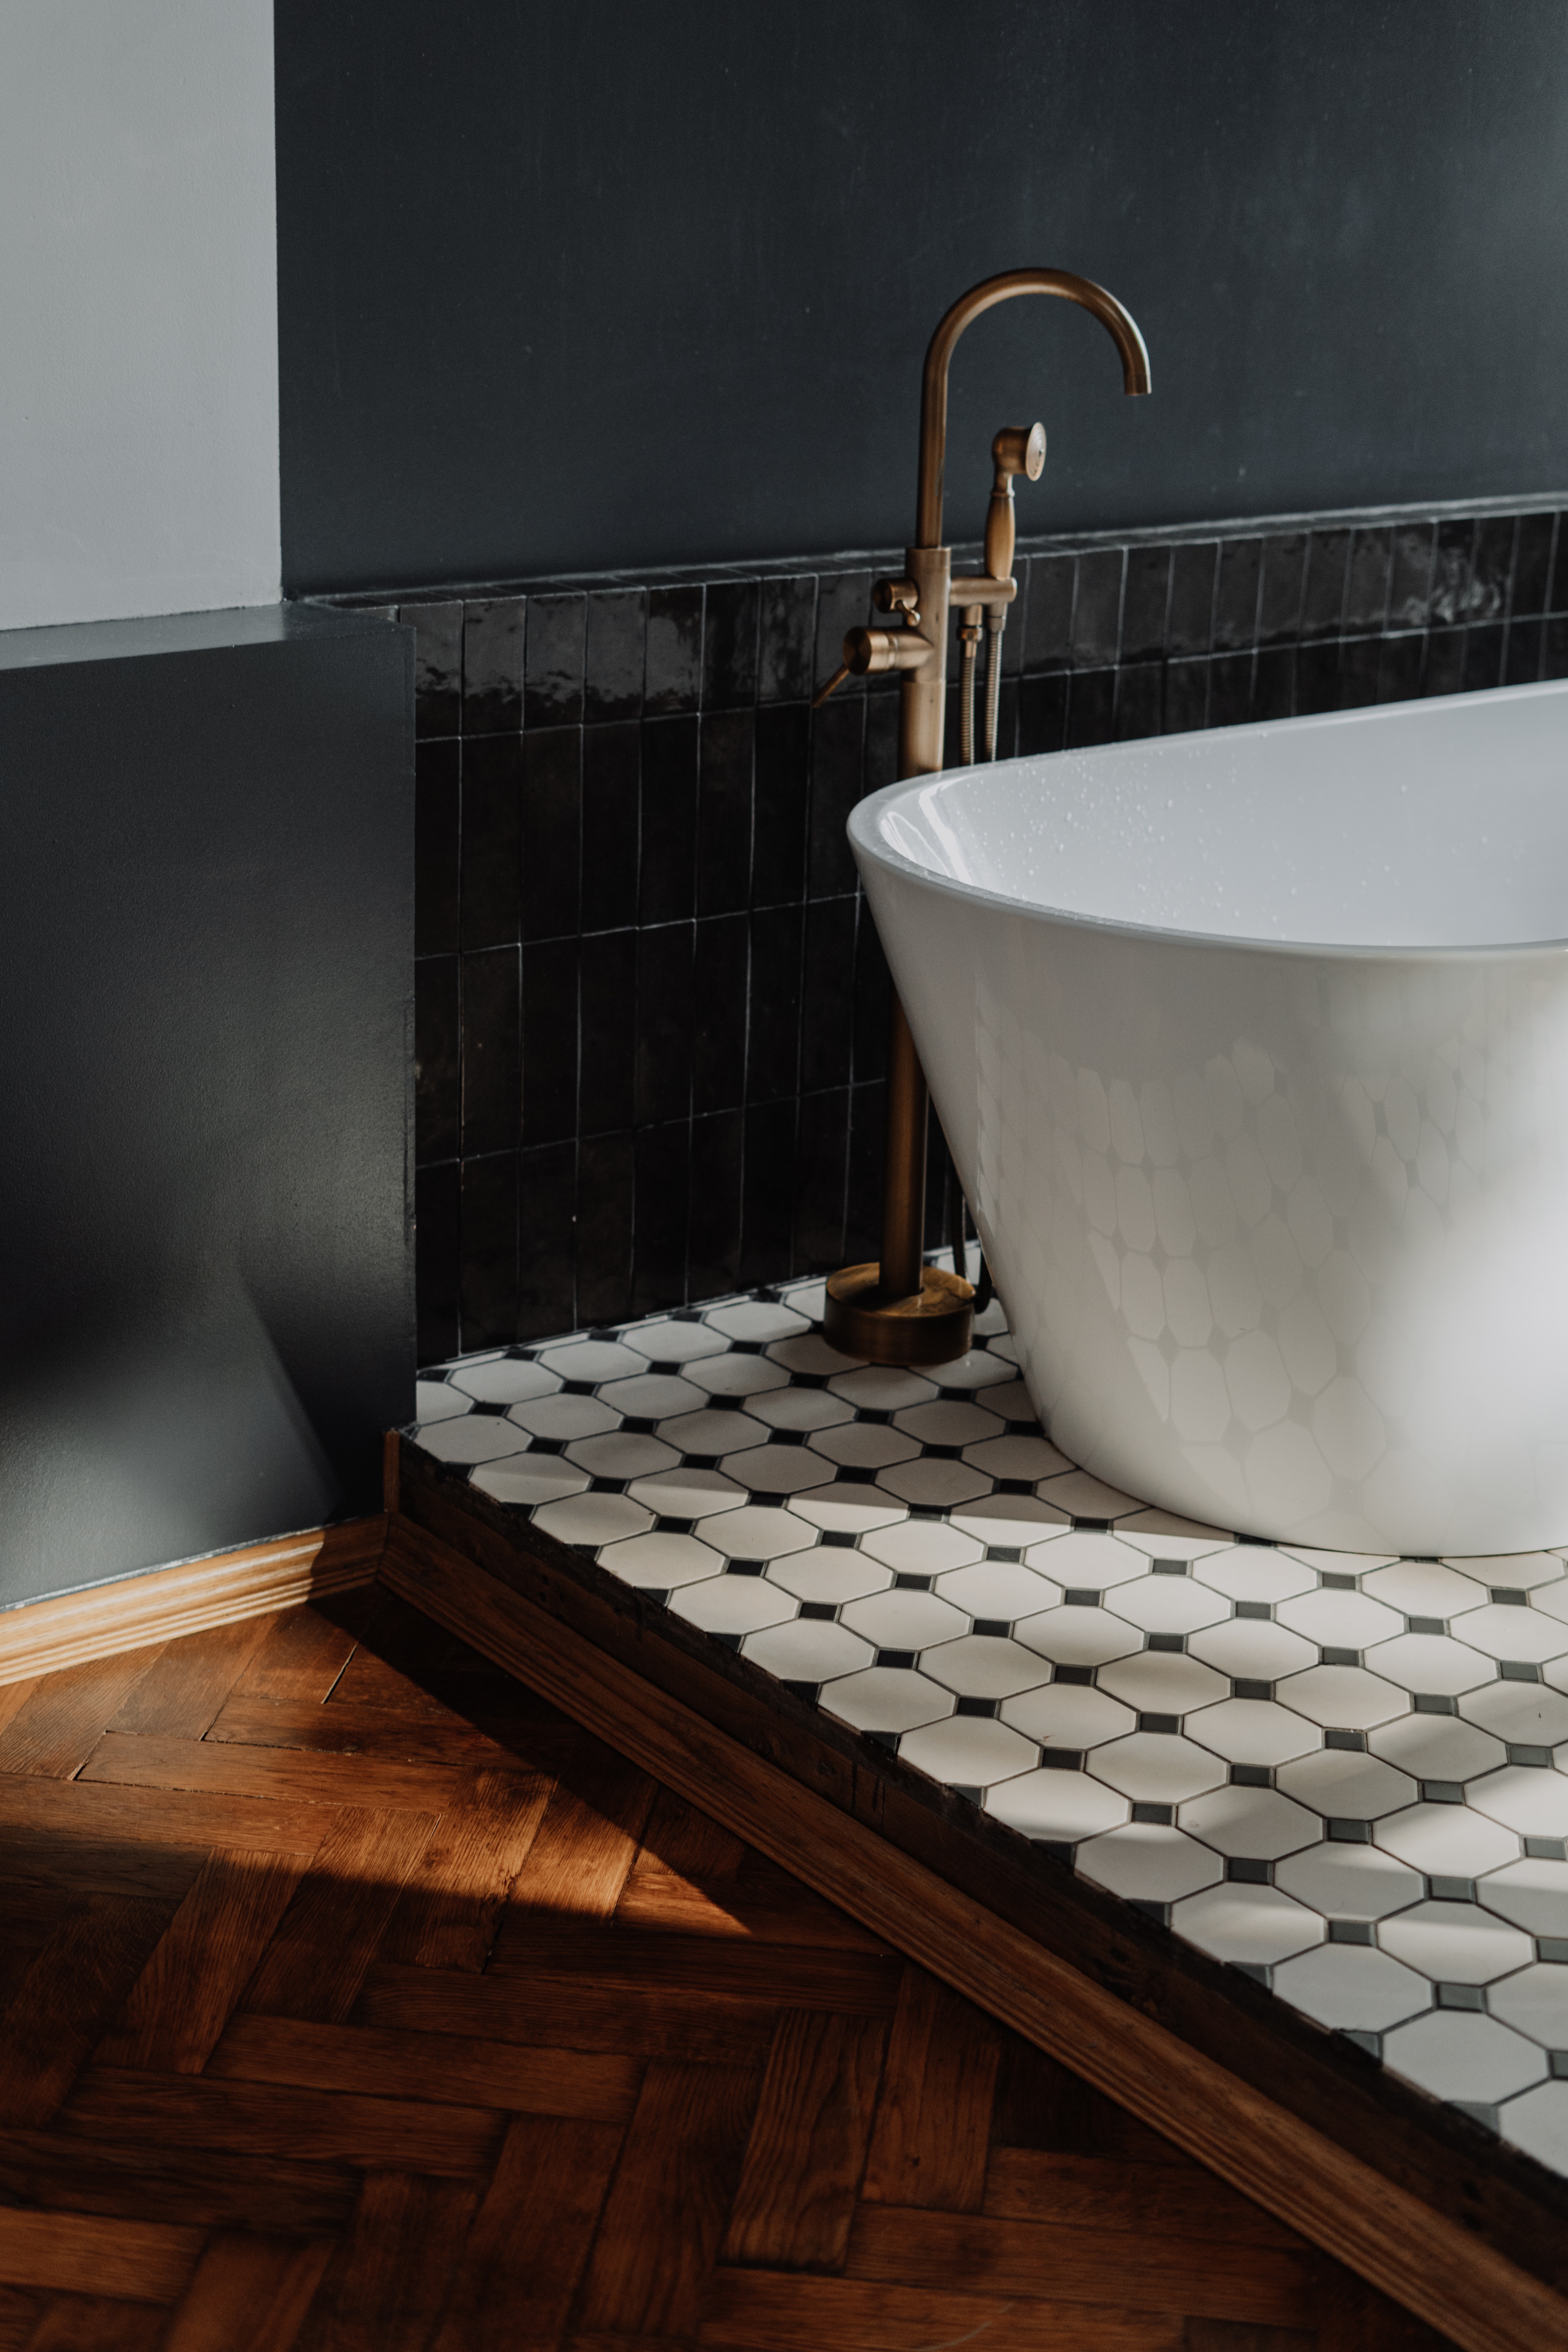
1458 1995
838 1540
668 1526
1434 1703
1370 2044
1557 2065
896 1657
1332 1582
1168 1642
1348 1832
907 1581
1009 1553
1518 1670
606 1485
1261 1609
818 1609
1352 1743
1553 1948
1168 1568
1062 1760
747 1567
1017 1486
1163 1723
810 1692
1351 1931
1248 1686
487 1405
1442 1792
1427 1624
996 1627
1518 1754
1451 1890
984 1707
1080 1596
1157 1816
1546 1849
1092 1527
576 1388
1509 1596
1251 1776
1255 1969
1246 1870
670 1367
1074 1677
1335 1656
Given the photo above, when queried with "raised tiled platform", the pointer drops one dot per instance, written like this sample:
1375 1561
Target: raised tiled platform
1343 1775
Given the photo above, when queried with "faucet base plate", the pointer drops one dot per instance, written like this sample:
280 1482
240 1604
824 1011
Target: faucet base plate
932 1326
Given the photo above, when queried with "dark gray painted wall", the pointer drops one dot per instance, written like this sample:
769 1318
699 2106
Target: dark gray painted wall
206 967
573 285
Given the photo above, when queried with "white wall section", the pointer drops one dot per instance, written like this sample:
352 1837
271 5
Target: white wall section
138 309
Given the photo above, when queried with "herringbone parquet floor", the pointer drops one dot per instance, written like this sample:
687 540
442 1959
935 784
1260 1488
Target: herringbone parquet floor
355 2001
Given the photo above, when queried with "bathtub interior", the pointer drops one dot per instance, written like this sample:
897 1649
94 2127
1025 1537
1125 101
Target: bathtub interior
1418 826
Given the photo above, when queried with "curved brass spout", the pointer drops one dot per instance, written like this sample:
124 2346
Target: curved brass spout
985 297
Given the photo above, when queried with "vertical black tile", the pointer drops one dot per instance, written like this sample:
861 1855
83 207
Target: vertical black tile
437 666
787 638
1399 671
774 1017
767 1193
821 1169
1017 617
1557 595
663 1014
863 1193
1410 576
730 644
1189 627
1042 712
550 1041
487 1280
1367 581
668 826
553 665
1186 696
828 994
724 810
437 835
843 603
1144 603
605 1193
612 785
1451 571
1323 596
606 1031
1091 706
1274 682
663 1194
873 1001
1554 649
713 1233
780 795
719 1009
838 740
1047 621
1230 690
1532 565
616 654
1361 663
1483 656
492 826
1318 676
1284 578
1138 700
492 1052
1006 721
492 665
1097 608
438 1063
674 676
1236 594
1491 567
1445 670
1521 663
438 1255
552 831
880 760
546 1231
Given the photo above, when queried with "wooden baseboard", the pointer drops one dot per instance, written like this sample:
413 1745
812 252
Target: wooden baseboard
1463 2287
42 1636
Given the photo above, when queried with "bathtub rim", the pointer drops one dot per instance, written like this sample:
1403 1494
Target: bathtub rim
865 841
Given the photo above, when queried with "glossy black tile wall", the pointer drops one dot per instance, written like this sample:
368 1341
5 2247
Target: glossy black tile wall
651 1005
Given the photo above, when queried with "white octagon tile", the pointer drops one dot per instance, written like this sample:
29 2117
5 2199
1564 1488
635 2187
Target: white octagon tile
665 1342
790 1408
1430 1662
905 1620
1511 1631
1351 1986
472 1437
526 1480
1424 1587
1253 1731
839 1508
504 1380
1163 1681
712 1433
1167 1604
734 1376
829 1572
1067 1715
659 1562
1013 1521
1020 1456
1535 2001
808 1650
1455 1943
1085 1497
946 1422
1531 1713
1346 1786
733 1604
1257 1823
983 1665
998 1589
1251 1649
563 1417
886 1698
1538 2123
687 1494
881 1388
1252 1924
1524 1797
1519 1572
1456 2055
1077 1636
1350 1882
622 1454
1092 1563
810 1353
774 1469
1436 1747
651 1396
592 1359
1061 1807
1245 1571
1448 1841
1533 1893
931 1482
921 1548
1345 1698
757 1532
756 1318
1147 1863
1156 1766
863 1444
1344 1620
590 1520
434 1402
1013 1402
981 1368
971 1751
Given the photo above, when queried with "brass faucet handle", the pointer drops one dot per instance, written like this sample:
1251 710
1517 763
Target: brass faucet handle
834 683
1020 449
898 596
1017 449
869 652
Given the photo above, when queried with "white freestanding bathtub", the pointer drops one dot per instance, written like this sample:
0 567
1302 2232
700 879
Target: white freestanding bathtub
1251 1048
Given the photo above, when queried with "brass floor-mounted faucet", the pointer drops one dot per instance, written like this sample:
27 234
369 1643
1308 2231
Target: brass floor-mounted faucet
899 1310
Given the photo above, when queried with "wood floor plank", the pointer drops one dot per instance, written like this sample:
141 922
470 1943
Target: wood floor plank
140 2180
1039 2103
557 2014
857 1984
52 1735
199 1967
529 2243
150 1760
77 1981
906 2246
665 2213
89 2254
1236 2335
933 2119
308 1649
1092 2192
262 2119
336 1729
450 1908
90 2323
20 2312
764 2311
37 1817
807 2147
184 1686
713 1886
407 2237
250 2294
596 2087
588 1839
14 1696
315 1964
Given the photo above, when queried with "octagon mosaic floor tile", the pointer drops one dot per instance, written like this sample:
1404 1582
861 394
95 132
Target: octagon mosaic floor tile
1347 1775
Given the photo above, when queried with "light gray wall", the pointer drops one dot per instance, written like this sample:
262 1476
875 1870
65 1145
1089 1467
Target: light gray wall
138 309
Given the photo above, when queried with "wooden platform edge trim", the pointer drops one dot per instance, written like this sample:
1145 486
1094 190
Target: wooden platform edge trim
1468 2291
41 1636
